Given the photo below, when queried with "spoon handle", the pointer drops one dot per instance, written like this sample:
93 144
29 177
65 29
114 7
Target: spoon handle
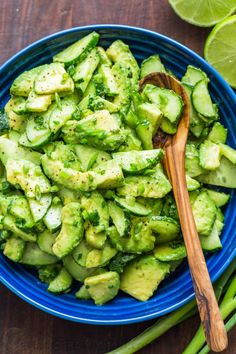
213 325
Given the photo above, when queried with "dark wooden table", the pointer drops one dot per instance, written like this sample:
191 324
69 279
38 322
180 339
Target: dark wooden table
24 329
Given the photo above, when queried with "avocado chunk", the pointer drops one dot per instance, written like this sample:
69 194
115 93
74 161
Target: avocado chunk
142 276
135 162
10 223
139 240
103 287
171 251
95 239
192 184
4 122
106 175
192 162
97 258
29 176
83 293
156 185
204 212
53 78
14 248
219 198
24 83
124 84
16 121
62 283
71 232
60 114
37 103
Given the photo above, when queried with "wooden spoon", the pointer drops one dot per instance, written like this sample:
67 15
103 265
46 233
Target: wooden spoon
174 163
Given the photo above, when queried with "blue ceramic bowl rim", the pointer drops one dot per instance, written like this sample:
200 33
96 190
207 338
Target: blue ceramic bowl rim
210 69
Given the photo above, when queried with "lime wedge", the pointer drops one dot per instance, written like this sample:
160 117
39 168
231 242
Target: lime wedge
203 13
220 49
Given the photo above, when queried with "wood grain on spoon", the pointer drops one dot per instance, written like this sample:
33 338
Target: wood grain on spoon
174 163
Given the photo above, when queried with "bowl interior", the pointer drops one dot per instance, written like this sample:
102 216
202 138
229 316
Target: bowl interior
177 289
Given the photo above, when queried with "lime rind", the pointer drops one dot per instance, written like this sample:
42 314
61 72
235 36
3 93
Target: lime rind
220 49
203 13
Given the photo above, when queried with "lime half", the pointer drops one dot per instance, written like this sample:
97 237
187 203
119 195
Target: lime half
220 49
204 13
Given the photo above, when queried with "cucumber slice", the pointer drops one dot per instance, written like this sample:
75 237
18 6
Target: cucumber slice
202 100
119 219
192 184
78 272
90 157
171 251
34 256
14 249
223 176
137 161
39 207
144 131
193 75
37 131
60 115
228 152
209 155
204 212
52 219
166 228
78 50
83 293
62 283
211 242
168 127
151 65
131 206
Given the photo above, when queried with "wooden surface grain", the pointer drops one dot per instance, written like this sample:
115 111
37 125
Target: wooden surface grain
27 330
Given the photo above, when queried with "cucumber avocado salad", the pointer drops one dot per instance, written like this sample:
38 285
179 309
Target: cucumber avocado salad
84 200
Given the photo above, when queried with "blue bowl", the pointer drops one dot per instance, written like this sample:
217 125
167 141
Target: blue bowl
177 289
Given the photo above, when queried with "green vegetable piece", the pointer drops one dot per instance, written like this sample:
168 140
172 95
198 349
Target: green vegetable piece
142 276
14 248
171 251
228 152
118 263
212 242
202 100
192 184
4 122
53 78
156 185
192 162
10 223
28 175
95 239
60 115
83 293
193 75
84 70
131 142
144 132
103 287
204 212
24 83
78 50
168 127
52 218
119 218
105 78
35 257
131 206
39 207
218 133
90 157
62 283
219 198
37 103
124 82
16 121
151 65
95 211
9 148
45 241
71 232
78 272
166 228
209 155
37 131
103 56
48 272
152 113
97 258
120 53
137 161
223 176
